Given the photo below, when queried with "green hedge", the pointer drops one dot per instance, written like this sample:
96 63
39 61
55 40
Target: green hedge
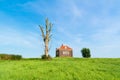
10 57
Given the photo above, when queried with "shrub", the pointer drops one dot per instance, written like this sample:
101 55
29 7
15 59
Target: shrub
16 57
86 52
10 57
46 58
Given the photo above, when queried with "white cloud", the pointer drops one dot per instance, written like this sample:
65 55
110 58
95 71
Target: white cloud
14 37
14 41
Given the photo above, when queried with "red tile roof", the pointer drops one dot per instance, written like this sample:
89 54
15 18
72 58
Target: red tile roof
64 47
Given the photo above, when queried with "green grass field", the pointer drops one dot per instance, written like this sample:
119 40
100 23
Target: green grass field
61 69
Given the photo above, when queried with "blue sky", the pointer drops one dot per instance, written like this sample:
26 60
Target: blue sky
94 24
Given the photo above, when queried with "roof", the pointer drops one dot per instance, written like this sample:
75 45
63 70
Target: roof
64 47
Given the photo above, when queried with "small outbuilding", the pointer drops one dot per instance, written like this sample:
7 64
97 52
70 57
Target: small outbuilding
64 51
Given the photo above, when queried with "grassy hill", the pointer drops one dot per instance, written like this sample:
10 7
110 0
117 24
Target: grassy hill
61 69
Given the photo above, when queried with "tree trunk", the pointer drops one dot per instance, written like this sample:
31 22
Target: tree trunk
46 48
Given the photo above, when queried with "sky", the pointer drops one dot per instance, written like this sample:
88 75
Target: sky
93 24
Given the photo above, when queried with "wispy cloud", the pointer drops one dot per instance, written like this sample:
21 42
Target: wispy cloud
15 37
78 23
12 40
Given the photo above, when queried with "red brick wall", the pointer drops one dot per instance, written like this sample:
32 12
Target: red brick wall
64 53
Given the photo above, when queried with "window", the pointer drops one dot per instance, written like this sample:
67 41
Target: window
66 53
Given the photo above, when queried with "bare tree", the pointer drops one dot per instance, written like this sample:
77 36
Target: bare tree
46 35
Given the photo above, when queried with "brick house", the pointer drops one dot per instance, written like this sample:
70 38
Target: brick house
64 51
